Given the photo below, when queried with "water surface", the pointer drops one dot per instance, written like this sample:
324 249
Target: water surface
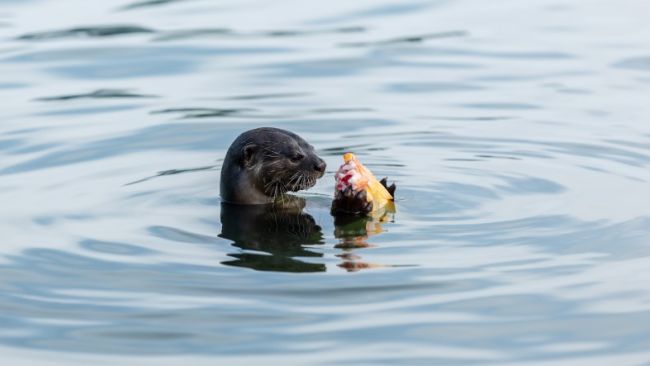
517 133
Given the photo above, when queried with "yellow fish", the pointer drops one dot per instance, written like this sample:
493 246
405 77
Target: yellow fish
358 191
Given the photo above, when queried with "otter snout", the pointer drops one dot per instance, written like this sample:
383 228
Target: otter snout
319 166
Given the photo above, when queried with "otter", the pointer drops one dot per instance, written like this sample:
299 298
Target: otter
263 164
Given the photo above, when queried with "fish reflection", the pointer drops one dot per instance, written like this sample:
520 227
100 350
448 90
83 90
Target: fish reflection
353 233
280 231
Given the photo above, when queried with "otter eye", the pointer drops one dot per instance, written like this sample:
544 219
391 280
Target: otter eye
296 158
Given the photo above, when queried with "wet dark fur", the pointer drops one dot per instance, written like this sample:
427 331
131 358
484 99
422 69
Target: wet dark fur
263 164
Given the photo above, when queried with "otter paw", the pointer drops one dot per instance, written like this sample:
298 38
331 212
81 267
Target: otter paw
351 202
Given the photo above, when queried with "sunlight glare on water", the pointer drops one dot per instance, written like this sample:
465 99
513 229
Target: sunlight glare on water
516 131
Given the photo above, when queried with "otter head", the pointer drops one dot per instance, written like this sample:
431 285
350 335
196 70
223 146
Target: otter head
265 163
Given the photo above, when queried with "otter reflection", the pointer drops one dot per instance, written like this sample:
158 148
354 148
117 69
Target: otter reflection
274 236
280 231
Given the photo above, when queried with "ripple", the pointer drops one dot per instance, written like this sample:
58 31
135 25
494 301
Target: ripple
470 118
150 3
87 32
473 53
205 112
128 62
12 85
169 233
177 35
174 172
634 63
423 87
267 96
343 67
379 11
114 248
408 39
90 110
504 106
98 94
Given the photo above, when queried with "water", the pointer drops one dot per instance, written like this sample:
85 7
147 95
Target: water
517 133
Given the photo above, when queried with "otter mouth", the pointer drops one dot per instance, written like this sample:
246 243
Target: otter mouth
298 181
302 180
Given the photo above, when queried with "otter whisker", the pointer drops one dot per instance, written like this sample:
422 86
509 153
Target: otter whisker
303 180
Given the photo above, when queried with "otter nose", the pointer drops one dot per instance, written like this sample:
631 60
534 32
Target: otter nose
320 166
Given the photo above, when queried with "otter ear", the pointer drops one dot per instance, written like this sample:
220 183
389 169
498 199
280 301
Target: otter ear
248 152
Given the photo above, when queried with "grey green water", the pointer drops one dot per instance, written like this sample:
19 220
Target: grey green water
518 133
